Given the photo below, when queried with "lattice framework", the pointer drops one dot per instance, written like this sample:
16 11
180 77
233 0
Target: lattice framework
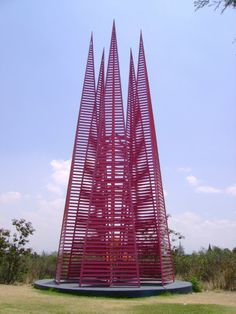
114 230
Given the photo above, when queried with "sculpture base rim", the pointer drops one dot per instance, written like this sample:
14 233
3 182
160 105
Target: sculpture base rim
178 287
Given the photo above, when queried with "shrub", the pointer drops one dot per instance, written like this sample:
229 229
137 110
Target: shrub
196 284
214 268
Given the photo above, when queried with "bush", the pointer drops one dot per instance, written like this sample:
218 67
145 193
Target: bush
214 268
196 284
40 266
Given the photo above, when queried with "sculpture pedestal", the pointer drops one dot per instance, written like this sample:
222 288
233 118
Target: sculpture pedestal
115 292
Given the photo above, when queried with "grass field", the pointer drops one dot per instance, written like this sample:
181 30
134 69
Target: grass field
25 299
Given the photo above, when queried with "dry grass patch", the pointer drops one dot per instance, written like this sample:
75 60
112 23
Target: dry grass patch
26 299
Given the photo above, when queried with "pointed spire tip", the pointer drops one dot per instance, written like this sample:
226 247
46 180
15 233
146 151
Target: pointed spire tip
91 38
141 35
114 26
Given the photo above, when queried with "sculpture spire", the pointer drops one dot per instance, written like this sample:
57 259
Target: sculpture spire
159 266
70 246
109 252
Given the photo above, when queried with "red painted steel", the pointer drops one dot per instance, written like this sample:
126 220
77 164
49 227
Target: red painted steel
110 256
152 235
114 230
79 187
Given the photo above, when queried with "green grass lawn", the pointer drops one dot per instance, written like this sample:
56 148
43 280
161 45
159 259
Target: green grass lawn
25 299
38 307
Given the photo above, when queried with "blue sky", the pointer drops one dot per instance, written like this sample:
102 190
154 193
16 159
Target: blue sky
191 63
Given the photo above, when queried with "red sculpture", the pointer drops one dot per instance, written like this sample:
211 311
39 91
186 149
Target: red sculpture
114 230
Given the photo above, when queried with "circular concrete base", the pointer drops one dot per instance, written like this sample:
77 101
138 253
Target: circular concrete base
116 292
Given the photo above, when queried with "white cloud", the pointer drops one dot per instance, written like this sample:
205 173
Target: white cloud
10 197
61 169
231 190
192 180
54 188
199 232
207 189
184 169
44 211
165 193
46 219
59 177
47 215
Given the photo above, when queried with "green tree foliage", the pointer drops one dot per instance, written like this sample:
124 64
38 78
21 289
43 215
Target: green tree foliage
196 284
40 266
13 251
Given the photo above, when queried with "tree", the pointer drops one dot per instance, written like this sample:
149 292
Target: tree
209 248
223 4
13 250
180 249
174 237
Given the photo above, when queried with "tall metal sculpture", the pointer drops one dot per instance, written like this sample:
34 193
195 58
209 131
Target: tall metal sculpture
114 230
